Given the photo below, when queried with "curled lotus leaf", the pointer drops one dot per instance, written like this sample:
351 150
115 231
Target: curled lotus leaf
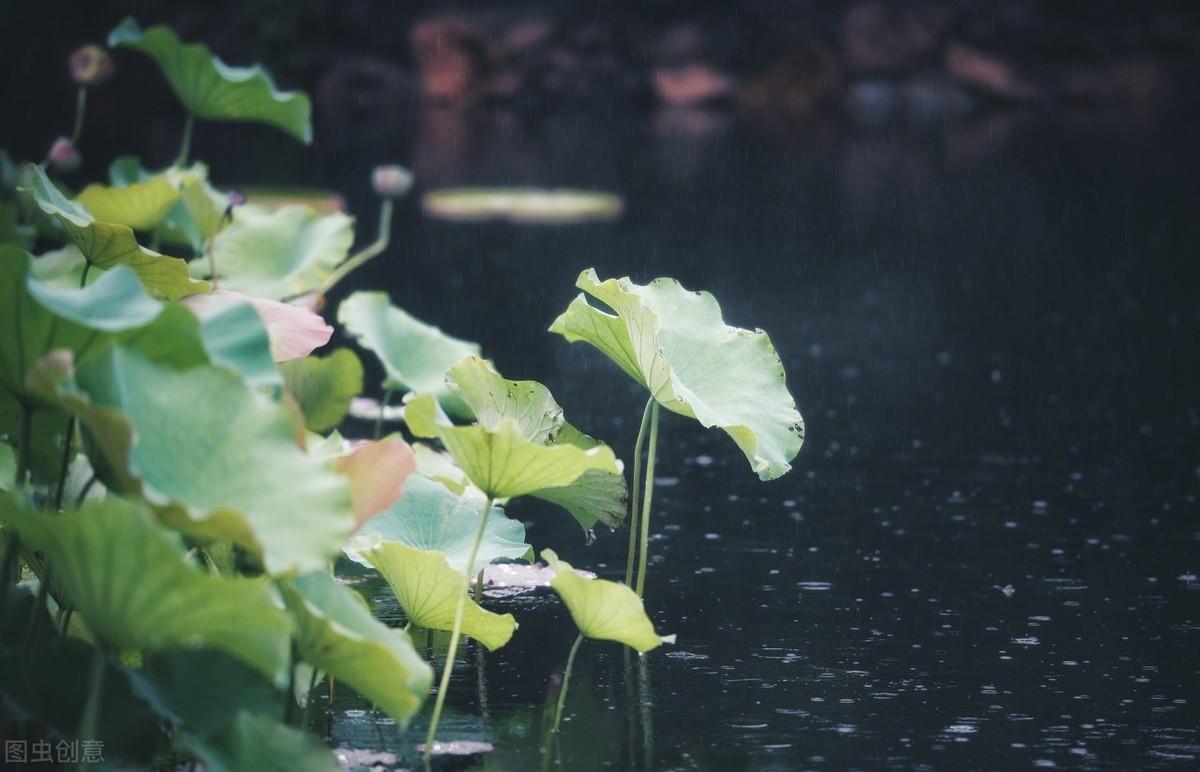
676 344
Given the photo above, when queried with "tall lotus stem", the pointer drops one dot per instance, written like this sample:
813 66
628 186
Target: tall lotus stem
185 144
448 667
382 238
633 493
562 693
80 108
91 709
649 486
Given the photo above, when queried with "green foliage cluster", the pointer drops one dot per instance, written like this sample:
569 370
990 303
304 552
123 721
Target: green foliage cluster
176 503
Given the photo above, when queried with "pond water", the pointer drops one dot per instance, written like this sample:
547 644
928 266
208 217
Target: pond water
986 555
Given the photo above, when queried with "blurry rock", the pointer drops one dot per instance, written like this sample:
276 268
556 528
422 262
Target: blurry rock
798 84
450 52
879 37
988 73
1139 84
693 84
872 102
935 99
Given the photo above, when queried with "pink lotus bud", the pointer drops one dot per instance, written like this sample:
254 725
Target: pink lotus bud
391 181
63 155
90 65
236 197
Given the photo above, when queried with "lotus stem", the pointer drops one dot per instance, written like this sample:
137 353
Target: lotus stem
383 403
185 145
448 667
35 619
645 516
87 488
562 693
633 493
11 566
24 438
65 465
80 107
366 253
87 266
289 697
91 709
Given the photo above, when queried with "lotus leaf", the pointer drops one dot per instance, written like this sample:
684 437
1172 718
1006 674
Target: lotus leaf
324 386
250 741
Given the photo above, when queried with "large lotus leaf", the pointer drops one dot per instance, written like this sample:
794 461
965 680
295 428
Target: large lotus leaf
431 517
596 495
428 589
141 205
279 254
250 741
676 344
211 89
227 467
38 318
438 465
197 213
131 581
604 610
337 634
106 245
502 462
294 331
324 386
236 338
414 355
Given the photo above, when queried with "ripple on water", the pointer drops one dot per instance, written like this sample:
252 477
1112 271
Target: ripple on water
815 586
686 656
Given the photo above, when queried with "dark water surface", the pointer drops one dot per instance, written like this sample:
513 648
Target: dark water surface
987 553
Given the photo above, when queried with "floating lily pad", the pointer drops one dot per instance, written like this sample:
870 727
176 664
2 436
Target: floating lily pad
279 254
111 561
429 590
106 245
529 206
414 355
226 468
272 198
676 344
431 517
337 634
211 89
604 610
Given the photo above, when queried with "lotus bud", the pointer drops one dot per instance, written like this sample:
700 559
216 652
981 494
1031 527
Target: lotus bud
236 197
63 155
90 65
391 181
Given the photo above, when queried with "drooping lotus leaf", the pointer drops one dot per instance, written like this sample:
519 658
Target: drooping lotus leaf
236 338
522 445
604 610
529 206
141 205
254 741
128 578
294 331
431 517
227 468
324 386
37 318
279 254
377 472
428 590
414 355
440 466
676 344
336 633
106 245
212 90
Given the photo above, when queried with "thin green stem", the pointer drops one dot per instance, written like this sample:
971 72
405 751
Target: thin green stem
91 710
448 667
289 697
35 617
645 516
371 250
383 403
87 487
87 266
65 465
479 584
633 493
11 566
80 107
562 693
185 145
66 622
24 438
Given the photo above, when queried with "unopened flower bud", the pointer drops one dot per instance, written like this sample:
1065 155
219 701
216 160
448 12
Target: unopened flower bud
63 155
391 181
236 197
90 65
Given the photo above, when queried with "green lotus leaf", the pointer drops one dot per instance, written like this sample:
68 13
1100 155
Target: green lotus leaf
529 206
414 355
428 590
432 517
676 344
336 633
40 318
227 468
196 215
106 245
212 90
140 205
279 254
522 445
237 338
112 562
12 230
8 467
440 466
250 741
324 386
604 610
200 689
